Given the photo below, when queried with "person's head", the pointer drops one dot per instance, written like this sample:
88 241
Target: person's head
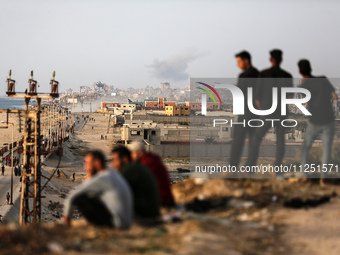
137 149
120 156
305 67
243 60
275 57
94 162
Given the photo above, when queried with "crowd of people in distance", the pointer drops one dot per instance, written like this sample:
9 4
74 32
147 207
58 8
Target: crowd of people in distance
7 161
134 188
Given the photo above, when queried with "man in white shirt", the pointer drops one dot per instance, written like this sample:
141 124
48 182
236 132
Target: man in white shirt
104 199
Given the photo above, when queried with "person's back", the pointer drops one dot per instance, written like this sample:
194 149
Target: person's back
112 191
144 188
322 119
273 77
274 72
156 166
320 103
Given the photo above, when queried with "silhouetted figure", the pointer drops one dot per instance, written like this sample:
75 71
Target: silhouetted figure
322 119
8 196
73 177
247 79
16 170
273 77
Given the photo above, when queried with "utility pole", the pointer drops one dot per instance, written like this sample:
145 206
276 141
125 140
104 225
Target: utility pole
32 151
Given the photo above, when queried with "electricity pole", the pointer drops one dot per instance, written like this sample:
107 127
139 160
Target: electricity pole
32 150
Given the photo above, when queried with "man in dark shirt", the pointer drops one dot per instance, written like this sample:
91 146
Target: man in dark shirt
246 80
273 77
320 106
142 183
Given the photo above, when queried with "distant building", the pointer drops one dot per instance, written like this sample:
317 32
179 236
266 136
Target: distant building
107 105
72 100
135 102
177 110
84 90
99 87
119 109
197 106
136 130
158 103
164 85
128 107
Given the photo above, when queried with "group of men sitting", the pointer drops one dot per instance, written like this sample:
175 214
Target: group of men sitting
135 188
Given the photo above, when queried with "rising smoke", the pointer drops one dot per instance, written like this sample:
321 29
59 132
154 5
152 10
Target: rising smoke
174 68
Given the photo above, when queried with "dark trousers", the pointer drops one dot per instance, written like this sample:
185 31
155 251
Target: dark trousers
93 210
256 139
239 136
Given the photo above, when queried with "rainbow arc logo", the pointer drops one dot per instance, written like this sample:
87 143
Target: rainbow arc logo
204 96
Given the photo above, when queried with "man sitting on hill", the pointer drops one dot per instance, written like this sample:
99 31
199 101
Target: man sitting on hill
156 166
105 199
143 185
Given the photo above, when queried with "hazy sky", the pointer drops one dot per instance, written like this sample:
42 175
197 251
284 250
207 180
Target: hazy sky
139 43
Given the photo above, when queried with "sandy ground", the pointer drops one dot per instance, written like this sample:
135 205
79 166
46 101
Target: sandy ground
313 231
253 223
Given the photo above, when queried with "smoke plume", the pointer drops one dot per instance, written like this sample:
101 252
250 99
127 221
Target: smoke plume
174 68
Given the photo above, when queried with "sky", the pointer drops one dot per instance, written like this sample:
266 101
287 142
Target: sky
138 43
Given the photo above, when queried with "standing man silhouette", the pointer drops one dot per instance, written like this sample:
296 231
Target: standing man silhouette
247 79
273 77
322 119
